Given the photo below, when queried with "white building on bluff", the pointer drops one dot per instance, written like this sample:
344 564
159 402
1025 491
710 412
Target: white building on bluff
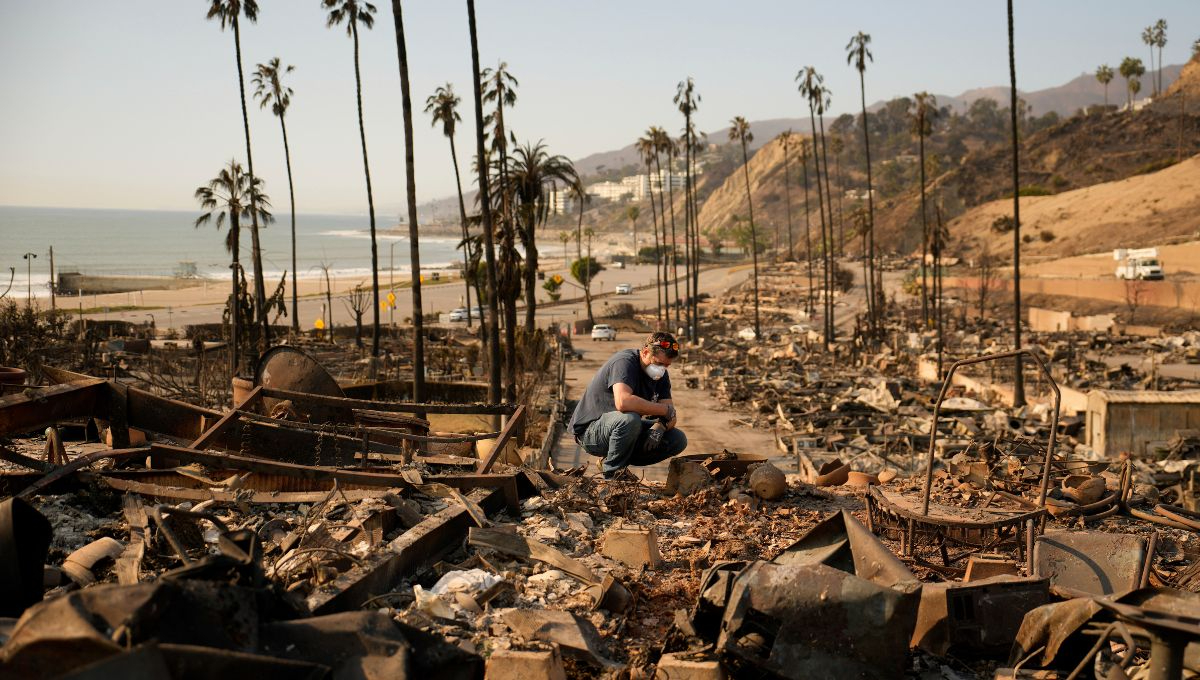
636 187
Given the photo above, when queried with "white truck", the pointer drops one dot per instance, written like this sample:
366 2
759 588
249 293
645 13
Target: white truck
1138 263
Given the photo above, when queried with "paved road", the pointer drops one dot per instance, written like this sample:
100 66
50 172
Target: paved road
446 296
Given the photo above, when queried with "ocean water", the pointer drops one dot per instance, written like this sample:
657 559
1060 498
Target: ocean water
152 242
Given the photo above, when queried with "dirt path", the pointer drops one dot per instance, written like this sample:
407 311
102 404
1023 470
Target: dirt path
708 424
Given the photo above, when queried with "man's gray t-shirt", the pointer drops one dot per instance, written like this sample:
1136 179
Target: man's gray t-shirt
622 367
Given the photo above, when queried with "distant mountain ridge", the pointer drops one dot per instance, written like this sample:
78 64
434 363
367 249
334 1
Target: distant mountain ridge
1079 92
1064 100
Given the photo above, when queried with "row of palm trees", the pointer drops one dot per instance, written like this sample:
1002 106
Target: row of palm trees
511 214
514 192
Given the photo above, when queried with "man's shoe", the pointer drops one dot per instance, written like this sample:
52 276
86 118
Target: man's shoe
622 475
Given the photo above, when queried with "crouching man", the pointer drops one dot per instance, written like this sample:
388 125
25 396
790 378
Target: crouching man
626 415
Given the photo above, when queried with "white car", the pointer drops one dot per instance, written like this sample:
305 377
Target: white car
459 314
624 288
603 331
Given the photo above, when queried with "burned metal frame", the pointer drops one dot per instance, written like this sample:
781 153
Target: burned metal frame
937 409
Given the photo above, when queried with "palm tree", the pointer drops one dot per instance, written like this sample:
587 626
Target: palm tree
812 88
1131 69
1019 374
353 13
229 194
807 228
442 106
648 150
228 12
922 111
839 146
410 172
492 326
1160 41
269 90
565 238
788 138
739 131
687 100
823 103
580 196
665 146
532 177
632 213
499 87
1148 38
858 53
1104 74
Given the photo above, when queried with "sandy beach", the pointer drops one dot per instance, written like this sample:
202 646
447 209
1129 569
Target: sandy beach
204 303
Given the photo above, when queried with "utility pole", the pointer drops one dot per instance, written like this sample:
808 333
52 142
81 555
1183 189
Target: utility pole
53 281
29 258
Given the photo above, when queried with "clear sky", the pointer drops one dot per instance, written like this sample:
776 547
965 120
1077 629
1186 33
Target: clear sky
133 103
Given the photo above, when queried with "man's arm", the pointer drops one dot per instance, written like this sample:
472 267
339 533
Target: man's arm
628 402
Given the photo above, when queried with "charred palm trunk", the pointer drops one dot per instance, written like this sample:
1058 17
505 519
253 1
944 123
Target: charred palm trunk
1019 375
654 228
493 330
810 306
410 175
830 262
753 236
235 300
362 133
872 302
924 229
821 209
462 213
787 193
695 306
287 157
260 296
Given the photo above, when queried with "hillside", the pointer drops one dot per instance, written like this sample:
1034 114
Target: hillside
1079 152
1081 91
1139 211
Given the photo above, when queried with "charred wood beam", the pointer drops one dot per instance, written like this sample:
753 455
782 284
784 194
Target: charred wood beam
516 423
228 419
419 547
77 465
37 408
391 407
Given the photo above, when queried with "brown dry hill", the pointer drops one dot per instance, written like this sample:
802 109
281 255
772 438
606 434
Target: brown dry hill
1141 211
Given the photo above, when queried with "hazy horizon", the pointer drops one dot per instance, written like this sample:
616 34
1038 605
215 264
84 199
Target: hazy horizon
134 111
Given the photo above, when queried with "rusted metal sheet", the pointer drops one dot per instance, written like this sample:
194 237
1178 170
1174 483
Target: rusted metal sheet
178 493
980 618
293 369
842 542
37 408
1091 562
24 540
815 622
420 546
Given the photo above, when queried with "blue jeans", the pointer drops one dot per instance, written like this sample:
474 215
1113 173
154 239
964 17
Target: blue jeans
619 437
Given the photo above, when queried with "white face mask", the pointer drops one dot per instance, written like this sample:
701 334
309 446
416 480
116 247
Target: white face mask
655 371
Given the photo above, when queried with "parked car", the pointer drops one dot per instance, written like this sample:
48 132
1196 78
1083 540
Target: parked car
459 314
624 288
603 331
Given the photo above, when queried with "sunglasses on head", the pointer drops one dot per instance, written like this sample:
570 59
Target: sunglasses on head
665 344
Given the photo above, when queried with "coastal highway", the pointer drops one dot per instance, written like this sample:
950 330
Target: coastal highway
176 309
